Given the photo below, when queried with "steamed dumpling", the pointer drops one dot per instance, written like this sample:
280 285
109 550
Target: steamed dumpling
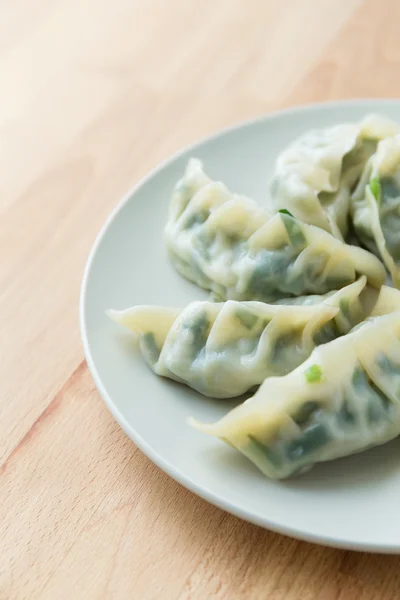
315 175
376 205
230 245
224 349
343 399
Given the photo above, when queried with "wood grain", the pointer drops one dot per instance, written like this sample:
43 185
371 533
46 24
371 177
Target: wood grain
95 93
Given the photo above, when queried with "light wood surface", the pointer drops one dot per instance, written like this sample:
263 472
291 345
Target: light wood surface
93 94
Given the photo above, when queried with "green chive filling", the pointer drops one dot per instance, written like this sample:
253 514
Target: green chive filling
314 374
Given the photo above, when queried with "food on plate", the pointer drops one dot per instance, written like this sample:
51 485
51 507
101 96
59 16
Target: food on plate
315 175
375 205
223 350
297 311
231 246
343 399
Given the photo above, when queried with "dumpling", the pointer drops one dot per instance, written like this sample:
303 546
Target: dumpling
315 175
223 350
230 245
376 205
388 301
343 399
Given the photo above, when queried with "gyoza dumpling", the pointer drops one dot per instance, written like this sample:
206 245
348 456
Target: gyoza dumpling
230 245
224 349
376 205
315 175
387 301
343 399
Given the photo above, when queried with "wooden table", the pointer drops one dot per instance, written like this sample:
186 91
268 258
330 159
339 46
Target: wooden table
93 94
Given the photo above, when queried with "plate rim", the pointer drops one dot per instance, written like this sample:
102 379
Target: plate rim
162 463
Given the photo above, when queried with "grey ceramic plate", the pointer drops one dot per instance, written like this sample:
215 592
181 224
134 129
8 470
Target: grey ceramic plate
349 503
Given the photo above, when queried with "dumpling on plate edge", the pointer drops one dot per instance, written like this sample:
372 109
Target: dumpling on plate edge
343 399
315 174
228 244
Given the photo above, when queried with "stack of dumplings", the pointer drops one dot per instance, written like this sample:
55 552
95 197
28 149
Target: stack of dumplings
297 316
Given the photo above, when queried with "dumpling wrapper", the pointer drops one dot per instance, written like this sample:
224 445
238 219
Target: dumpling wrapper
315 175
375 206
225 349
230 245
343 399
